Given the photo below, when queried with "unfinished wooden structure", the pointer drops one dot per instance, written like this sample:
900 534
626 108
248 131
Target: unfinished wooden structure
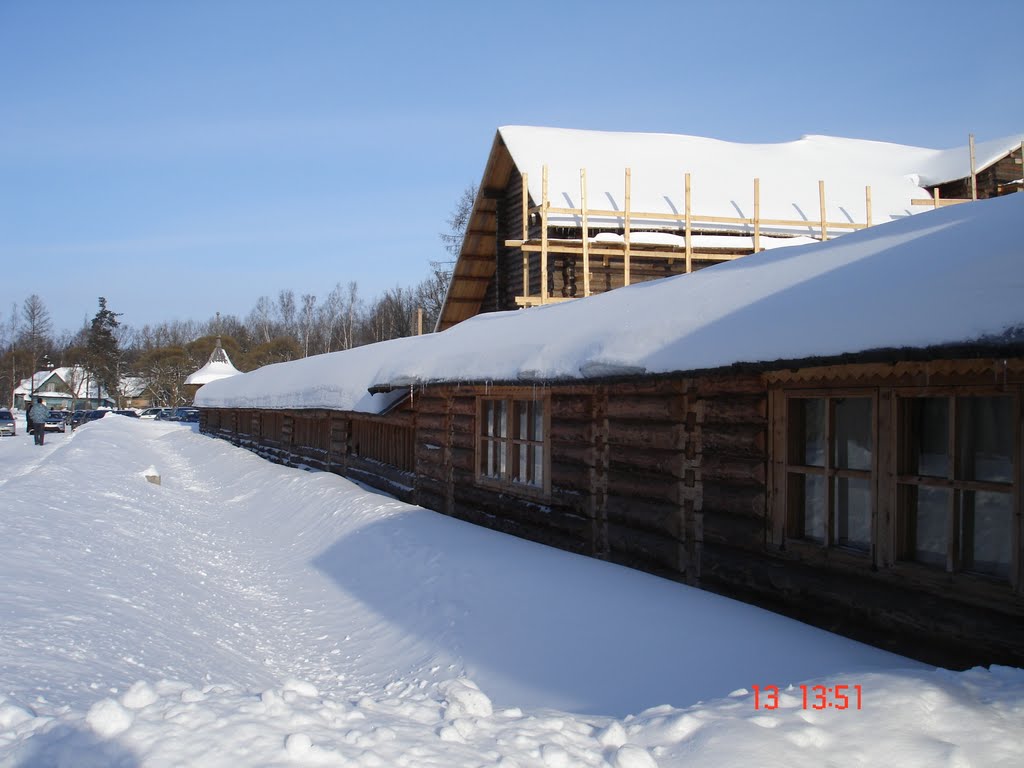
879 498
522 250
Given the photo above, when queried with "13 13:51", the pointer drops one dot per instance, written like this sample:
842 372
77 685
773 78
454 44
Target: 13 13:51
818 696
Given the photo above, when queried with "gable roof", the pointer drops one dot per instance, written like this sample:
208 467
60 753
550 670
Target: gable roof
722 175
953 276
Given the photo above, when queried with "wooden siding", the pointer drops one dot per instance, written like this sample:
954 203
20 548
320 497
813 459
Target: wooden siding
677 477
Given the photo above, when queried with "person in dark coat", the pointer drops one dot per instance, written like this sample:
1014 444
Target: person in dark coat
37 415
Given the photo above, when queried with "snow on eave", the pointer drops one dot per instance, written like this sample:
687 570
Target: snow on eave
953 164
722 174
948 277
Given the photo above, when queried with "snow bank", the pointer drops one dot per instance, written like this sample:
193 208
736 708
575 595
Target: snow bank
247 614
949 276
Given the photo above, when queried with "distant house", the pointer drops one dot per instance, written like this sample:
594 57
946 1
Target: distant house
65 388
655 205
832 431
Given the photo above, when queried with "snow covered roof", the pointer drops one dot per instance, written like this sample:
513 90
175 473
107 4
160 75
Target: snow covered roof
75 378
722 174
951 276
218 367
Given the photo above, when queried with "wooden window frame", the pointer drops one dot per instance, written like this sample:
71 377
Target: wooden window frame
511 441
953 482
889 459
829 472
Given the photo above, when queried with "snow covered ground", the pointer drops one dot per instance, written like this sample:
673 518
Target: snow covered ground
245 614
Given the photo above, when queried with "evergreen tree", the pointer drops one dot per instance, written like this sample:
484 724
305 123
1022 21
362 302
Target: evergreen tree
104 354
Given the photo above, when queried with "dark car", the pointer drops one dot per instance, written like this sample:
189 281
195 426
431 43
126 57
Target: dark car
55 422
7 424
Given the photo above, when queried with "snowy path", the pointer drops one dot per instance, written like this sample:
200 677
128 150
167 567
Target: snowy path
241 613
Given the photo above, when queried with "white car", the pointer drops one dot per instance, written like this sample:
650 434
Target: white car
7 423
152 413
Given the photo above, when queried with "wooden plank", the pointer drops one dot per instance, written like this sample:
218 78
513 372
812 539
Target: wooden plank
526 236
974 173
545 203
757 214
625 235
699 218
940 202
688 229
821 205
585 233
867 204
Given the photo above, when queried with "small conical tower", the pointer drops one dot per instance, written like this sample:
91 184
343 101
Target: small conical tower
217 367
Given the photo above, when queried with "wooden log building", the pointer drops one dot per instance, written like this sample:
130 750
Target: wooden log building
854 460
656 205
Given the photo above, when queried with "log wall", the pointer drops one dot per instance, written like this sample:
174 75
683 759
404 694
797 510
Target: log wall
667 476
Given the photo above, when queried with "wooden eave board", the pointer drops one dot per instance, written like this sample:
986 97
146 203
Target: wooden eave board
475 266
999 370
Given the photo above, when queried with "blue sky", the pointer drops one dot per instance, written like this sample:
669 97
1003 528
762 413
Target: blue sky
184 158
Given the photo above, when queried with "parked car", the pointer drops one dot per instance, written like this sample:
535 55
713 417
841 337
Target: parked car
55 422
7 423
154 413
127 412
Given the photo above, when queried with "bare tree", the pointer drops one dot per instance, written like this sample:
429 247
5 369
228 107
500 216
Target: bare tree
458 221
307 321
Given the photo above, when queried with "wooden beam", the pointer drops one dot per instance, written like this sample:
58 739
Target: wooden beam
688 231
821 204
698 218
585 232
625 265
939 202
867 204
757 214
526 235
974 173
545 203
536 301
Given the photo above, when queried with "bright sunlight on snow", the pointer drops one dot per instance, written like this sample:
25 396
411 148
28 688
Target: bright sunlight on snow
246 614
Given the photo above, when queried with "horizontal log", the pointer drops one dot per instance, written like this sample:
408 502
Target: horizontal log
571 477
738 531
647 435
658 517
729 469
432 421
655 552
643 485
716 386
570 407
747 440
669 463
733 499
431 404
570 431
463 459
668 407
744 409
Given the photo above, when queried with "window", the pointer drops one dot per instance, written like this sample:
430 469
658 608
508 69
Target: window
830 470
511 442
955 489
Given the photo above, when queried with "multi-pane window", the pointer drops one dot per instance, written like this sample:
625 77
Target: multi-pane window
511 441
955 489
829 469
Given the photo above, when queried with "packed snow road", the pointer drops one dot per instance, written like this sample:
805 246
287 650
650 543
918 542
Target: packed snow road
241 613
